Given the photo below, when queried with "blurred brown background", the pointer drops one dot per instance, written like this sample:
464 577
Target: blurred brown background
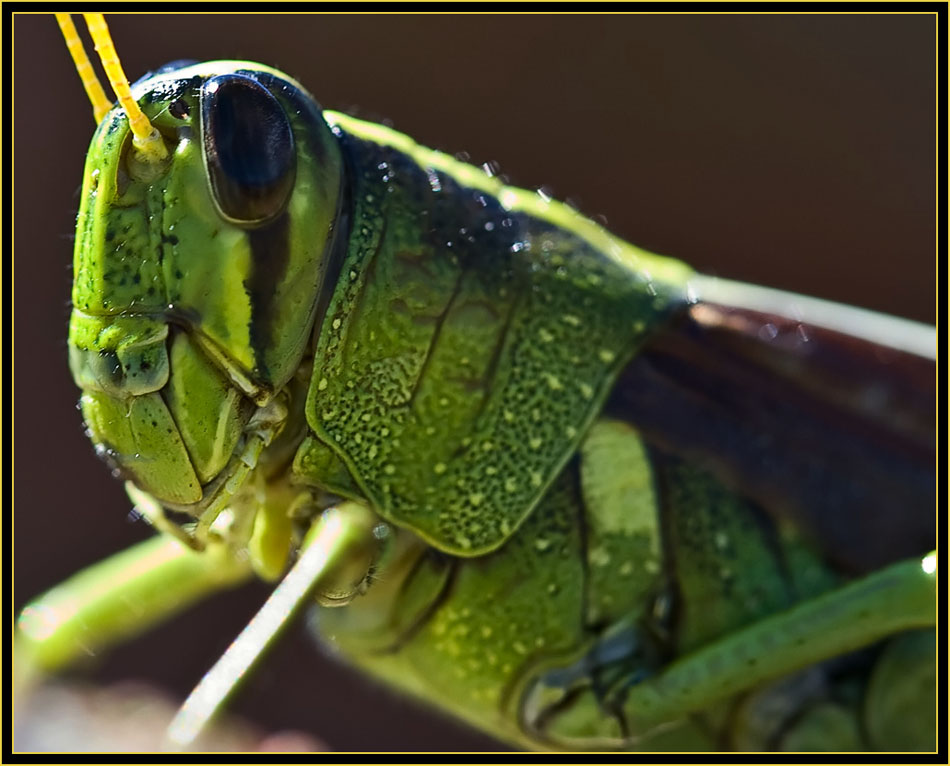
793 151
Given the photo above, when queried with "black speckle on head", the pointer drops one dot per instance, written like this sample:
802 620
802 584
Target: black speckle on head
168 91
249 149
179 109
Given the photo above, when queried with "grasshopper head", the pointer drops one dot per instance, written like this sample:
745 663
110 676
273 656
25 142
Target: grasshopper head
197 277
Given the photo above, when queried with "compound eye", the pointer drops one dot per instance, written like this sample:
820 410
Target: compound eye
249 149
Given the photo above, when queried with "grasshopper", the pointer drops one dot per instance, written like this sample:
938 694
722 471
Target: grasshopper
466 540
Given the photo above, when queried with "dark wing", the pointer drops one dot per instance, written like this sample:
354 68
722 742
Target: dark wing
826 429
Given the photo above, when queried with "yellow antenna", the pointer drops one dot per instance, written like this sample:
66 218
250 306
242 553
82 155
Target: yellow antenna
145 138
97 96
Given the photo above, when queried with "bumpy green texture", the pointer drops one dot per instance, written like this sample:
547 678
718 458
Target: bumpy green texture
522 642
466 349
497 617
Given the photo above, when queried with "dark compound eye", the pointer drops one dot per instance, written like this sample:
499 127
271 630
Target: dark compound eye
249 149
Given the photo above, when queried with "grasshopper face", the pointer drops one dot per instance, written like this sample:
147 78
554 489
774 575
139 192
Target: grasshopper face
195 281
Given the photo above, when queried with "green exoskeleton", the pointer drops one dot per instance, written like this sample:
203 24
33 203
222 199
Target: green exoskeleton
574 530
